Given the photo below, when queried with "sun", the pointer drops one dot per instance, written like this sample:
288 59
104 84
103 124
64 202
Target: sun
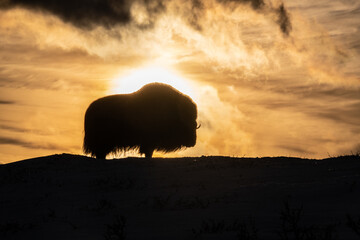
136 78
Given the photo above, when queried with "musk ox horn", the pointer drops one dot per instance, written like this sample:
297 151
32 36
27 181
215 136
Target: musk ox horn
156 117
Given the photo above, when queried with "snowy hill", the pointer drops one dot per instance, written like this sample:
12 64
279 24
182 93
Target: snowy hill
77 197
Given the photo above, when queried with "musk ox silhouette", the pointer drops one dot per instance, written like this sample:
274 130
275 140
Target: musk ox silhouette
156 117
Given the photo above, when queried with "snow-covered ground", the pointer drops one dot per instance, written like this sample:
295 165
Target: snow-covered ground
76 197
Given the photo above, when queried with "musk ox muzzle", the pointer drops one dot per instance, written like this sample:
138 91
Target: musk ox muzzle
156 117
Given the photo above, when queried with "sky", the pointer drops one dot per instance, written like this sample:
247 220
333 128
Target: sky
270 78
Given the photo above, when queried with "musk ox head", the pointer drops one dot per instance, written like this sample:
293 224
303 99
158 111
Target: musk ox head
156 117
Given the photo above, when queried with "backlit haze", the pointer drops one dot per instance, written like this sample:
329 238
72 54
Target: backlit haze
270 78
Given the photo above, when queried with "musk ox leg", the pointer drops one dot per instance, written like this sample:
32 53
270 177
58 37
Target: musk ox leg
102 149
148 151
101 153
149 154
100 156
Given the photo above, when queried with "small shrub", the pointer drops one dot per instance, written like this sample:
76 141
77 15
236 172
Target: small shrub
104 204
114 182
290 222
327 232
191 203
244 231
247 231
353 224
292 229
161 202
10 228
210 227
116 230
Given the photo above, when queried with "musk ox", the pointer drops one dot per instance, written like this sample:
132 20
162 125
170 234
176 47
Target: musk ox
156 117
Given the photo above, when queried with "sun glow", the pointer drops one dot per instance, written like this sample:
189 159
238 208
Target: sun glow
137 78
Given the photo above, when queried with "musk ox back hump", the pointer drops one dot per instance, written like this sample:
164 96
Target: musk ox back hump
156 117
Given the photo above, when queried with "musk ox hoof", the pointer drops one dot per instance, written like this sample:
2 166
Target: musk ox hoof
147 151
155 118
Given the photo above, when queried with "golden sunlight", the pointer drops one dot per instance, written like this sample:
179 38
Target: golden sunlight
136 78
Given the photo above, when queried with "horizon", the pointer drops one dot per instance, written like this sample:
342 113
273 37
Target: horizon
270 78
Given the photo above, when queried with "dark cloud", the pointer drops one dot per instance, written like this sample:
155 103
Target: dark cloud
6 102
10 128
296 149
255 4
25 144
284 20
22 130
196 12
108 13
348 114
84 13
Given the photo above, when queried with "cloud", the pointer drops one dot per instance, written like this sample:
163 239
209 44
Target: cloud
255 4
25 144
141 13
346 114
6 102
295 149
240 36
221 131
88 14
284 20
23 130
276 103
15 129
233 35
